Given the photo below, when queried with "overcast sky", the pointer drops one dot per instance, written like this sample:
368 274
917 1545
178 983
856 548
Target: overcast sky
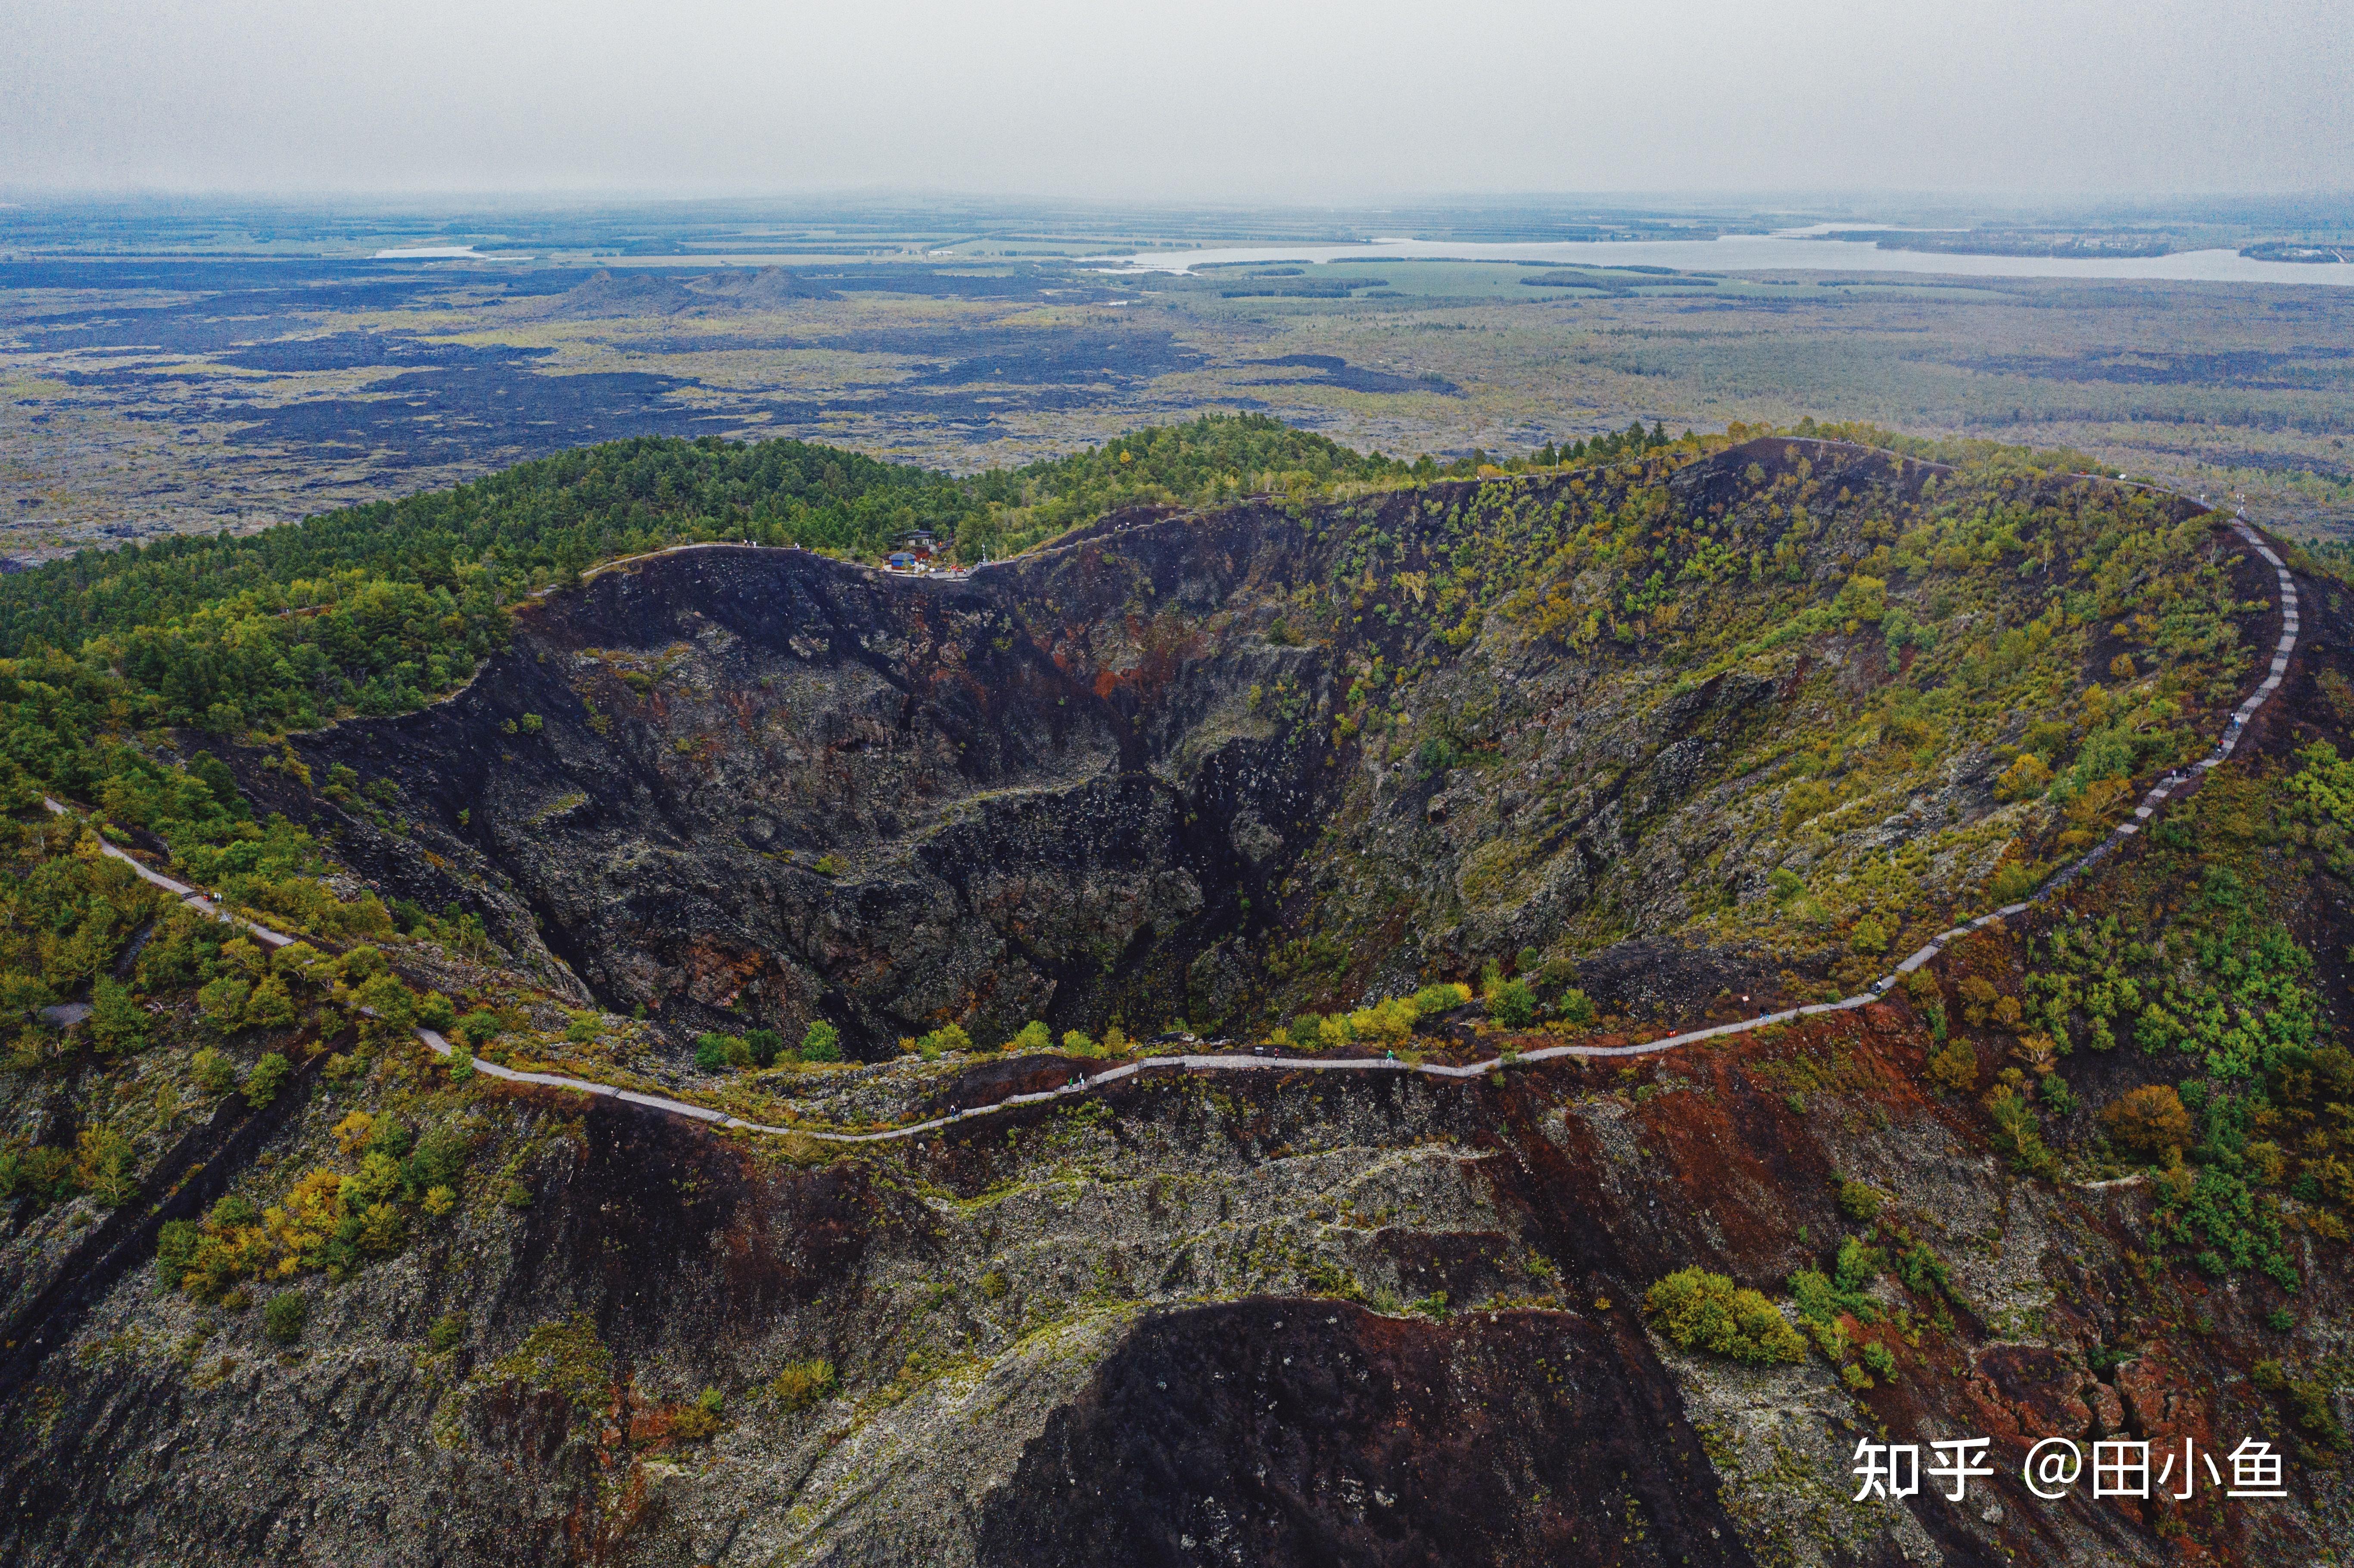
1184 98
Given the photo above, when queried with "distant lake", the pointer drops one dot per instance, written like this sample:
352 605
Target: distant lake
1791 252
441 253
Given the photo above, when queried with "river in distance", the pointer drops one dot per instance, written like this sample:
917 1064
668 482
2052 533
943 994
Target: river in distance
1795 250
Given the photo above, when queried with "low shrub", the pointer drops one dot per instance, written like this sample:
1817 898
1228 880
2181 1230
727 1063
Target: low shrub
1386 1022
1861 1200
567 1357
361 963
803 1384
1700 1310
352 1133
700 1421
2018 1134
1955 1067
2014 880
117 1023
713 1053
261 1084
2308 1400
2024 780
1822 1297
479 1027
1513 1005
1923 1271
948 1037
2150 1122
215 1073
284 1318
175 1249
438 1158
222 1002
392 1004
821 1042
104 1164
44 1174
1429 1000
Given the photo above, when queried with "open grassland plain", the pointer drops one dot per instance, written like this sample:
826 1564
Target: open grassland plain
188 393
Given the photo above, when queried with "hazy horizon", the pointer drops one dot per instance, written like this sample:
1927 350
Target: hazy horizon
1703 101
1876 201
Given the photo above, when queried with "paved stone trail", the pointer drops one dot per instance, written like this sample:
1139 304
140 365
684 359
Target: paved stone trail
1204 1062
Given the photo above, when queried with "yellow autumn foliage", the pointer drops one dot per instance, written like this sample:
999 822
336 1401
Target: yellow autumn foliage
353 1132
299 1228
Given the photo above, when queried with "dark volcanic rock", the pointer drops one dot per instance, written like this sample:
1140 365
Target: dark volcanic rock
1314 1431
767 787
987 1082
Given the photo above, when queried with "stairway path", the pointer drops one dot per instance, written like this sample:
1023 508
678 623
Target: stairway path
2166 787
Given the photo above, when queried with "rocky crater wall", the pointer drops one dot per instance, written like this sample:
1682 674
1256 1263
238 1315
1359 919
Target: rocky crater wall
741 785
1208 766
